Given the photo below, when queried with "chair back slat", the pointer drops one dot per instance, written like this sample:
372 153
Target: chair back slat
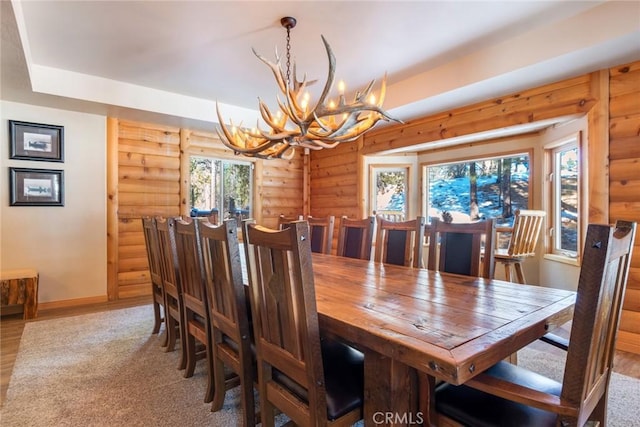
400 243
462 248
153 250
284 311
525 232
600 295
189 255
169 257
174 303
355 237
223 272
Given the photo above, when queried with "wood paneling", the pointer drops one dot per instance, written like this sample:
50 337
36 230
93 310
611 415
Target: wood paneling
624 184
148 167
566 98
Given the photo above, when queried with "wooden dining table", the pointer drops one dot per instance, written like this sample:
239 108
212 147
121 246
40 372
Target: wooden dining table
416 326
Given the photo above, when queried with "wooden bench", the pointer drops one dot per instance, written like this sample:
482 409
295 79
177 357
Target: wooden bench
19 290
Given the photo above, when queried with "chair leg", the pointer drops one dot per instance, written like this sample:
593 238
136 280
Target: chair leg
507 271
171 333
190 350
219 387
210 391
157 319
248 404
599 413
182 330
519 272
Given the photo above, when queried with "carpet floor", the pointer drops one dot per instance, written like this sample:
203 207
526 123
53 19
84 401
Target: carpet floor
106 369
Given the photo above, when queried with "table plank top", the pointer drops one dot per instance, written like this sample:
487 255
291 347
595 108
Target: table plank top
449 326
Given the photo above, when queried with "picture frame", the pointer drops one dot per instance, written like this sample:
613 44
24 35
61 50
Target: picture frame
35 141
36 187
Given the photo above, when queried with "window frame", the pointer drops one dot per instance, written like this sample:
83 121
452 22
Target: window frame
551 203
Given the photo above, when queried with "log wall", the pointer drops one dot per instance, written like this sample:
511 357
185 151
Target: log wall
148 174
614 93
624 184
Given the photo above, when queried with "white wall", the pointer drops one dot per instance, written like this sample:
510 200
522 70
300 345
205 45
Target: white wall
66 245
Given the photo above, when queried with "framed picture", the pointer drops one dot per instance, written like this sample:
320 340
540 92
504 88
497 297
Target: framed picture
33 141
36 187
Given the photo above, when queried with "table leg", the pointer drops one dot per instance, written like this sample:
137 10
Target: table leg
390 392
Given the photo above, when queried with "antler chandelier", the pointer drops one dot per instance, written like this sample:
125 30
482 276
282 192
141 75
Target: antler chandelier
296 124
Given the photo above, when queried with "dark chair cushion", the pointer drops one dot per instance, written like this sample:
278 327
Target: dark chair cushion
396 242
344 378
353 240
479 409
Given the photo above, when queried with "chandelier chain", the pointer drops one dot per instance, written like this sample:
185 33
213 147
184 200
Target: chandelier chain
288 56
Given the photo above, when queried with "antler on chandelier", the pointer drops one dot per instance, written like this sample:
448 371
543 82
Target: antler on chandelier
296 125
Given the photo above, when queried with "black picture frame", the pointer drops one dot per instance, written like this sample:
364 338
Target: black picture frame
36 187
35 141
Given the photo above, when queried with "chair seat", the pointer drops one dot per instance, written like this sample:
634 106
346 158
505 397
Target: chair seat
344 378
484 410
503 255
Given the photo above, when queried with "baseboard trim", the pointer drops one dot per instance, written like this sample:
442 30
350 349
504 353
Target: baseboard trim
72 302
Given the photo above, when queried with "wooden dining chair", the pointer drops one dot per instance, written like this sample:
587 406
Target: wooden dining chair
283 220
462 248
195 313
355 237
312 381
172 288
154 258
214 216
522 242
228 307
321 233
506 394
400 243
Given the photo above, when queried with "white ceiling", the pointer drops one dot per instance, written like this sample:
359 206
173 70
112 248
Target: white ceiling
172 60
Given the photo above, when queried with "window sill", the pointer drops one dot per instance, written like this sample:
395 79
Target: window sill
563 259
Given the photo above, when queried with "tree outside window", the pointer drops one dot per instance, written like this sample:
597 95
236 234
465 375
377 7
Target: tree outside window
221 186
389 189
479 188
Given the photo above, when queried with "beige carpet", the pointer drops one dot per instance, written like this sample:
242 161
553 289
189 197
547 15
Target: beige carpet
105 369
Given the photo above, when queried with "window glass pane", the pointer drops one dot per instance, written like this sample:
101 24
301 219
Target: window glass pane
567 161
236 191
222 187
481 188
202 183
390 188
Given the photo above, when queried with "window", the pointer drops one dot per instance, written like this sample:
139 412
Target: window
221 187
478 188
563 177
388 192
